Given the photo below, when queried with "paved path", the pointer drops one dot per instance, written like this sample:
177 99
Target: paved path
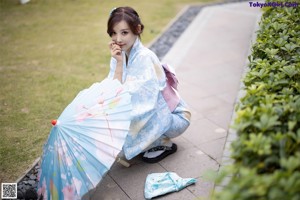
209 57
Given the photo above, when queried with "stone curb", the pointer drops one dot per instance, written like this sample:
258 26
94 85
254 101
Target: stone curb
28 170
178 15
181 12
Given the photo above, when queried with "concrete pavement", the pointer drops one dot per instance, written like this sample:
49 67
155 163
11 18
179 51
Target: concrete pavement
209 58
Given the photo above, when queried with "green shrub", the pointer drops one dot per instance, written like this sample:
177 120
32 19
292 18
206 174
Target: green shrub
267 152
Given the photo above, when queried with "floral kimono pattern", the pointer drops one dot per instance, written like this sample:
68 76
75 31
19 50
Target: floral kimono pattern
152 121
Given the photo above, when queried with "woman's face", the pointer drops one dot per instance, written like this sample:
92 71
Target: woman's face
123 36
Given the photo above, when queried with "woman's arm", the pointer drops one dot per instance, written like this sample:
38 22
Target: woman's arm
119 71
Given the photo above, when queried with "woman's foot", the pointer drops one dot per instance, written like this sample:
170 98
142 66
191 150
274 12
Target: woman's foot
158 153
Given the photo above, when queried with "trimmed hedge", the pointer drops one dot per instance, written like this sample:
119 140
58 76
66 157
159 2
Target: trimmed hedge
267 152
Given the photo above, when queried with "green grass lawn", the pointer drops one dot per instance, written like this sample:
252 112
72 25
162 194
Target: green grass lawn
50 50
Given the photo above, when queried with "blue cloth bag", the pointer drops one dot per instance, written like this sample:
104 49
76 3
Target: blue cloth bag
158 184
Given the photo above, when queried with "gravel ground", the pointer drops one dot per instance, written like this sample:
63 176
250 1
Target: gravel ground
161 47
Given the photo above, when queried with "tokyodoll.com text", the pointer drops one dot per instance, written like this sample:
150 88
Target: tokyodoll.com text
273 4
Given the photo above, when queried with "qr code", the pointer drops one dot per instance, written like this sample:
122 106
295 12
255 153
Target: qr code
9 190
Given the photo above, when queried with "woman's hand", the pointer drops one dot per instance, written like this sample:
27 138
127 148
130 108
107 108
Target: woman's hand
116 51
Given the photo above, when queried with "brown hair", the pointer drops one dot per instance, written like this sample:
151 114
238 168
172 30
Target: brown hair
127 14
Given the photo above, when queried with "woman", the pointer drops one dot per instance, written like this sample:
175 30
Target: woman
138 68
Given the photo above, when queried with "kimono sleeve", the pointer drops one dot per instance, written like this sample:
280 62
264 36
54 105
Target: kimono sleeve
146 73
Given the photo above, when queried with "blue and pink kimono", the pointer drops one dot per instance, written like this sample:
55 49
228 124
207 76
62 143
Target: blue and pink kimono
153 122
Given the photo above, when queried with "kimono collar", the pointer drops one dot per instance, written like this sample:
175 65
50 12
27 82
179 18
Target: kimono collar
135 48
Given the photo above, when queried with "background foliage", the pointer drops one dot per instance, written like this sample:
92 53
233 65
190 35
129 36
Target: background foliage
267 152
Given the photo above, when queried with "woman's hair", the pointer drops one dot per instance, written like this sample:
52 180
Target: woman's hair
127 14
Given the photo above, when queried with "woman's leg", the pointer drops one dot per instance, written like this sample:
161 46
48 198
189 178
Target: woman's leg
163 146
181 117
